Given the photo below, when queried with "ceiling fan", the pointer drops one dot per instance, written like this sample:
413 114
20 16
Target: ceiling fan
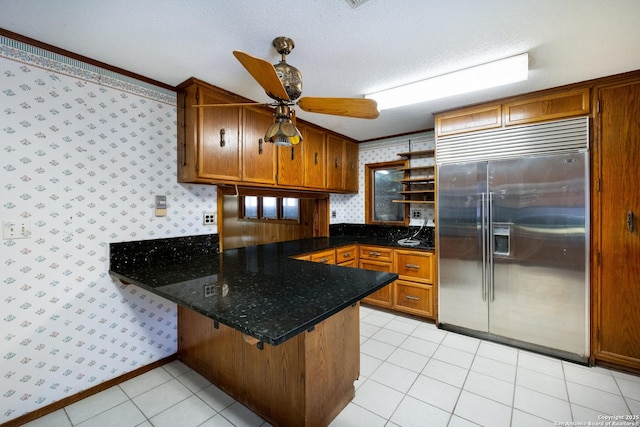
283 83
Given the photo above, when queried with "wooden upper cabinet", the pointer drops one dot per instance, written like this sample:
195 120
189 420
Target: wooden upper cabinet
351 165
259 157
314 148
225 145
342 165
548 107
469 120
290 165
219 139
335 162
208 138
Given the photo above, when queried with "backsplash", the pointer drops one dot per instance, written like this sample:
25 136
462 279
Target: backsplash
384 233
84 152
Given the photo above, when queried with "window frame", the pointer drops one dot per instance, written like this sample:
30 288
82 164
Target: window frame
260 205
370 169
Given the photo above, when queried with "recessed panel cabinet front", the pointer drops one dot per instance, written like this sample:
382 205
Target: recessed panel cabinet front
258 157
290 165
219 155
314 157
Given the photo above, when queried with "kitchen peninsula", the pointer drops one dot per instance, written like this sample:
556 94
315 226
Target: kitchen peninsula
278 334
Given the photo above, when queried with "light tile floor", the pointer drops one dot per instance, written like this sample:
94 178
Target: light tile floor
412 374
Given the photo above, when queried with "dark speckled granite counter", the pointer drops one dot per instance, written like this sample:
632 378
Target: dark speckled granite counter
258 290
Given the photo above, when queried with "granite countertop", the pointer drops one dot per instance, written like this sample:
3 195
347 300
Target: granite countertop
259 290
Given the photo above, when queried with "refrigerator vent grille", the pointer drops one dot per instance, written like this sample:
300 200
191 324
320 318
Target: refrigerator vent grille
562 136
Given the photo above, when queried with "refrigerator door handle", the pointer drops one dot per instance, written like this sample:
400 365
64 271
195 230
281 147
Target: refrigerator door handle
491 247
483 232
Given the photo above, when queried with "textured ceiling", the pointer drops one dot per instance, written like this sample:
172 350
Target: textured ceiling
342 51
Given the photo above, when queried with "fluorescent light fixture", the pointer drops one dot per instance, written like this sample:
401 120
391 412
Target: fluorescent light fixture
492 74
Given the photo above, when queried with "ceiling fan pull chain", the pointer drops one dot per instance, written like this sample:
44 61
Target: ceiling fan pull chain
222 141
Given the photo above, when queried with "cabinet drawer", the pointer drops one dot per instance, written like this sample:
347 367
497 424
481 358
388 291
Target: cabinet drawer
414 265
414 298
346 253
376 252
326 257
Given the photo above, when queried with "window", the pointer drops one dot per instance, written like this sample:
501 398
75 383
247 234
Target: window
265 208
382 186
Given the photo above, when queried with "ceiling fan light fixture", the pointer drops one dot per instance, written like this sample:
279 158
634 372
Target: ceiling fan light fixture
492 74
283 131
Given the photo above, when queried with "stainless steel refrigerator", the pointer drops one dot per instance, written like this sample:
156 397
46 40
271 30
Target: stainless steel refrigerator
513 238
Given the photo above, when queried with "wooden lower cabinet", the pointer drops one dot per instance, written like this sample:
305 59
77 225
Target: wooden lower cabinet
414 289
305 381
379 259
325 257
347 256
414 298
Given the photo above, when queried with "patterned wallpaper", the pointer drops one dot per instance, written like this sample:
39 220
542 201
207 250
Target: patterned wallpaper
350 207
84 152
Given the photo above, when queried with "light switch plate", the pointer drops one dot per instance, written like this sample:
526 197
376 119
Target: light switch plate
19 229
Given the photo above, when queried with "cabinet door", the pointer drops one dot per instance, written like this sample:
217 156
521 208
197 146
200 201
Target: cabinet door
314 157
351 167
381 297
335 163
290 165
325 257
414 298
258 157
416 266
619 233
346 254
219 139
376 253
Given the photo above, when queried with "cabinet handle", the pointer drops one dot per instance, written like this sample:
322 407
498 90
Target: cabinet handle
412 297
325 259
316 158
413 266
346 254
631 222
222 141
337 163
260 141
374 253
352 168
292 153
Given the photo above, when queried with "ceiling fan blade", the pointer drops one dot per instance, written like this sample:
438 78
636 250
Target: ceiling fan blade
264 73
350 107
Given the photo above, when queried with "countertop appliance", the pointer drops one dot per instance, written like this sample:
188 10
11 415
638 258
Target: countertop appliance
513 236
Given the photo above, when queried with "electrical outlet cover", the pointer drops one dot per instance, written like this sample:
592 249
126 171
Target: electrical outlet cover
209 218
